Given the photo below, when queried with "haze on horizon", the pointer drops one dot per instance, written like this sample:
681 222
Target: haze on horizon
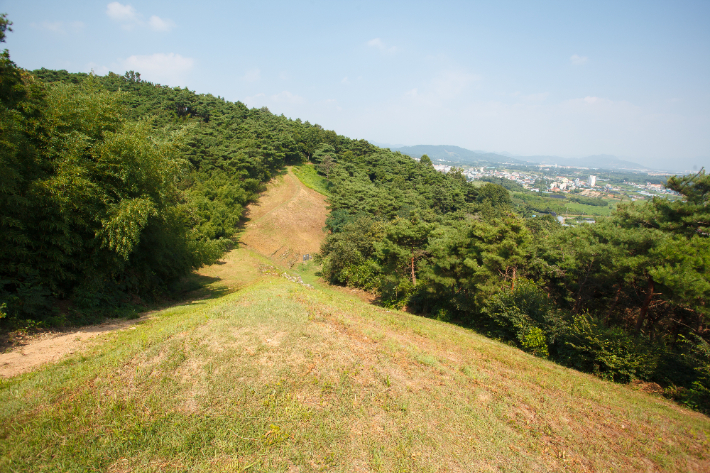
551 78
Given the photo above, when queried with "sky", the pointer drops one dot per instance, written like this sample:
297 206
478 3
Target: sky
563 78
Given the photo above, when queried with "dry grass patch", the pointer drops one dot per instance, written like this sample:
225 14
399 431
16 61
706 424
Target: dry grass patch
281 378
287 222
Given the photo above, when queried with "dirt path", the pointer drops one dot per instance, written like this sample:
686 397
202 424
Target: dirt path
286 223
49 347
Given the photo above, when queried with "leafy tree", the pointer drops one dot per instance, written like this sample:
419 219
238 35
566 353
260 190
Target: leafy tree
472 260
100 189
5 25
345 254
399 254
323 151
327 165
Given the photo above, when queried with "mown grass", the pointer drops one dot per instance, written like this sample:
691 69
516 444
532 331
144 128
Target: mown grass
310 178
582 209
280 377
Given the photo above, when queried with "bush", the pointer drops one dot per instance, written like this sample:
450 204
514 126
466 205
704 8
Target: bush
395 292
533 340
525 316
609 352
697 394
365 276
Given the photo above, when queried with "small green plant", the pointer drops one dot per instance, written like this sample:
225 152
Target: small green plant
274 435
533 341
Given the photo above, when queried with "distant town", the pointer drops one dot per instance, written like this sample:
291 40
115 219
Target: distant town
565 179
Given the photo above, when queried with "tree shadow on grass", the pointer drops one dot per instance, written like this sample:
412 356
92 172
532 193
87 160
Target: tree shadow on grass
195 287
70 319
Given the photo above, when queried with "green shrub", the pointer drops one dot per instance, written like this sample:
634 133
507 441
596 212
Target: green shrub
533 340
697 394
365 275
609 352
525 316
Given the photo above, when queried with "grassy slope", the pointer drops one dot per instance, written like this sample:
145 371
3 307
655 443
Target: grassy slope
276 376
287 222
310 178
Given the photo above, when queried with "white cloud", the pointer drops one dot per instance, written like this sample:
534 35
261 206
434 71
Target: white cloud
124 13
97 69
448 84
377 43
288 98
578 60
129 18
255 98
53 26
161 68
283 102
442 88
345 80
59 27
536 97
158 24
252 75
332 104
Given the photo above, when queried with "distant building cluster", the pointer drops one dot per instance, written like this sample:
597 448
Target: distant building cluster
524 179
588 187
649 190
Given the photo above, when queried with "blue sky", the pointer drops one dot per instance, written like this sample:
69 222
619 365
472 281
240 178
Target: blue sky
560 78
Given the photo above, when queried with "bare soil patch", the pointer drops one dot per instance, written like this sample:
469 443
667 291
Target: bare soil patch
48 347
287 222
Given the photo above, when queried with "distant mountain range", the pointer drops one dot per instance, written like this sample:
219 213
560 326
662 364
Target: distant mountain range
466 156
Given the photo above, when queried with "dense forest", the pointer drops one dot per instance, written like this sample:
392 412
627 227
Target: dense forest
625 298
113 188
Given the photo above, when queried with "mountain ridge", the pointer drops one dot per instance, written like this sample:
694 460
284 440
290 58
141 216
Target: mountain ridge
466 156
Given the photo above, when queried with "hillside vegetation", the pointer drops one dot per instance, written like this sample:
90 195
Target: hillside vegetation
280 376
625 298
114 188
117 193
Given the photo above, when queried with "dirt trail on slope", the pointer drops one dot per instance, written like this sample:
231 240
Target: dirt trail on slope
283 225
49 347
286 223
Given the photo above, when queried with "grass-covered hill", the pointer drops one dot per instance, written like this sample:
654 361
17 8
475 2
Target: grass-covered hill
277 371
115 190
